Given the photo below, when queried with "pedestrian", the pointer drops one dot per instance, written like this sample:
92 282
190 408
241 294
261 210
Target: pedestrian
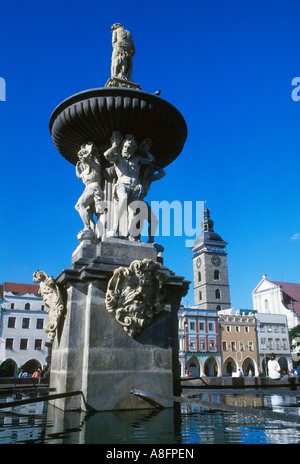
298 370
23 373
274 368
36 374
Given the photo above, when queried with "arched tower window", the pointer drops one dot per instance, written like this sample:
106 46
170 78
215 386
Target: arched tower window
199 276
218 308
216 274
218 295
200 295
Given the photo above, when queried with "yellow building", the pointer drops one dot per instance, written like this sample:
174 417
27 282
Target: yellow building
238 343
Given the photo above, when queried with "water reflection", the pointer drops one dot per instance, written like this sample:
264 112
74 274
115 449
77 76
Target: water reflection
185 424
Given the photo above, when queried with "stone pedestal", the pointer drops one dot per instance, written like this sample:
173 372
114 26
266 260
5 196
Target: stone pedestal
92 353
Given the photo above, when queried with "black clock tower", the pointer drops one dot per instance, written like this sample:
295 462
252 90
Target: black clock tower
211 286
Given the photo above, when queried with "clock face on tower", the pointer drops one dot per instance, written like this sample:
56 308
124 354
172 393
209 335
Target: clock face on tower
198 262
216 260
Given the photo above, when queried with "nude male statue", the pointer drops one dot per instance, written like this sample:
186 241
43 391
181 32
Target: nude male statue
88 169
128 187
151 173
123 51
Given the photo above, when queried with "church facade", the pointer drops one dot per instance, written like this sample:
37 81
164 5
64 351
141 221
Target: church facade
281 298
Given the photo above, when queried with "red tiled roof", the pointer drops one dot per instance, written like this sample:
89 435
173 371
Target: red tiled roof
20 288
293 292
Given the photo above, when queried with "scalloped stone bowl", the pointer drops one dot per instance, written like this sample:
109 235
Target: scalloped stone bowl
93 115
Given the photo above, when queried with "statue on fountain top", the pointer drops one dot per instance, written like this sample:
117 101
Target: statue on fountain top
121 61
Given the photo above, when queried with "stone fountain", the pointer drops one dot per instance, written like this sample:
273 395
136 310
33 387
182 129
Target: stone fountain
113 312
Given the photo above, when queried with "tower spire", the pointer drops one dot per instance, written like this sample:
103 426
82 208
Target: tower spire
207 224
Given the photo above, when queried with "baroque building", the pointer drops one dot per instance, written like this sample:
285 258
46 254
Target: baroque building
281 298
211 286
273 337
238 342
199 344
22 323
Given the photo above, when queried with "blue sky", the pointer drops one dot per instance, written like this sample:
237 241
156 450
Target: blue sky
227 66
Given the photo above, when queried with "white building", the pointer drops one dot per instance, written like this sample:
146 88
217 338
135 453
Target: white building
272 337
22 323
282 298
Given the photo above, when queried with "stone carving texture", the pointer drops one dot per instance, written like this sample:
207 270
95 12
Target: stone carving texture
135 294
51 295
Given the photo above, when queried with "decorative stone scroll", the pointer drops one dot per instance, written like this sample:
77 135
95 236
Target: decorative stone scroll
51 295
135 294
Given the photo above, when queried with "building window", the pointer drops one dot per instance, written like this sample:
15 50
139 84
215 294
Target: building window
284 344
216 274
263 344
12 305
23 344
233 346
42 308
270 344
202 345
250 346
262 328
269 328
218 308
247 329
200 295
218 295
192 346
25 323
40 323
228 328
210 326
242 346
37 344
277 343
211 344
192 325
201 326
224 346
11 323
237 328
9 343
27 306
199 276
282 329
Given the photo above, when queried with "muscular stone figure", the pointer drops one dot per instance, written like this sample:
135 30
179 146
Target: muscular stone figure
88 169
127 167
